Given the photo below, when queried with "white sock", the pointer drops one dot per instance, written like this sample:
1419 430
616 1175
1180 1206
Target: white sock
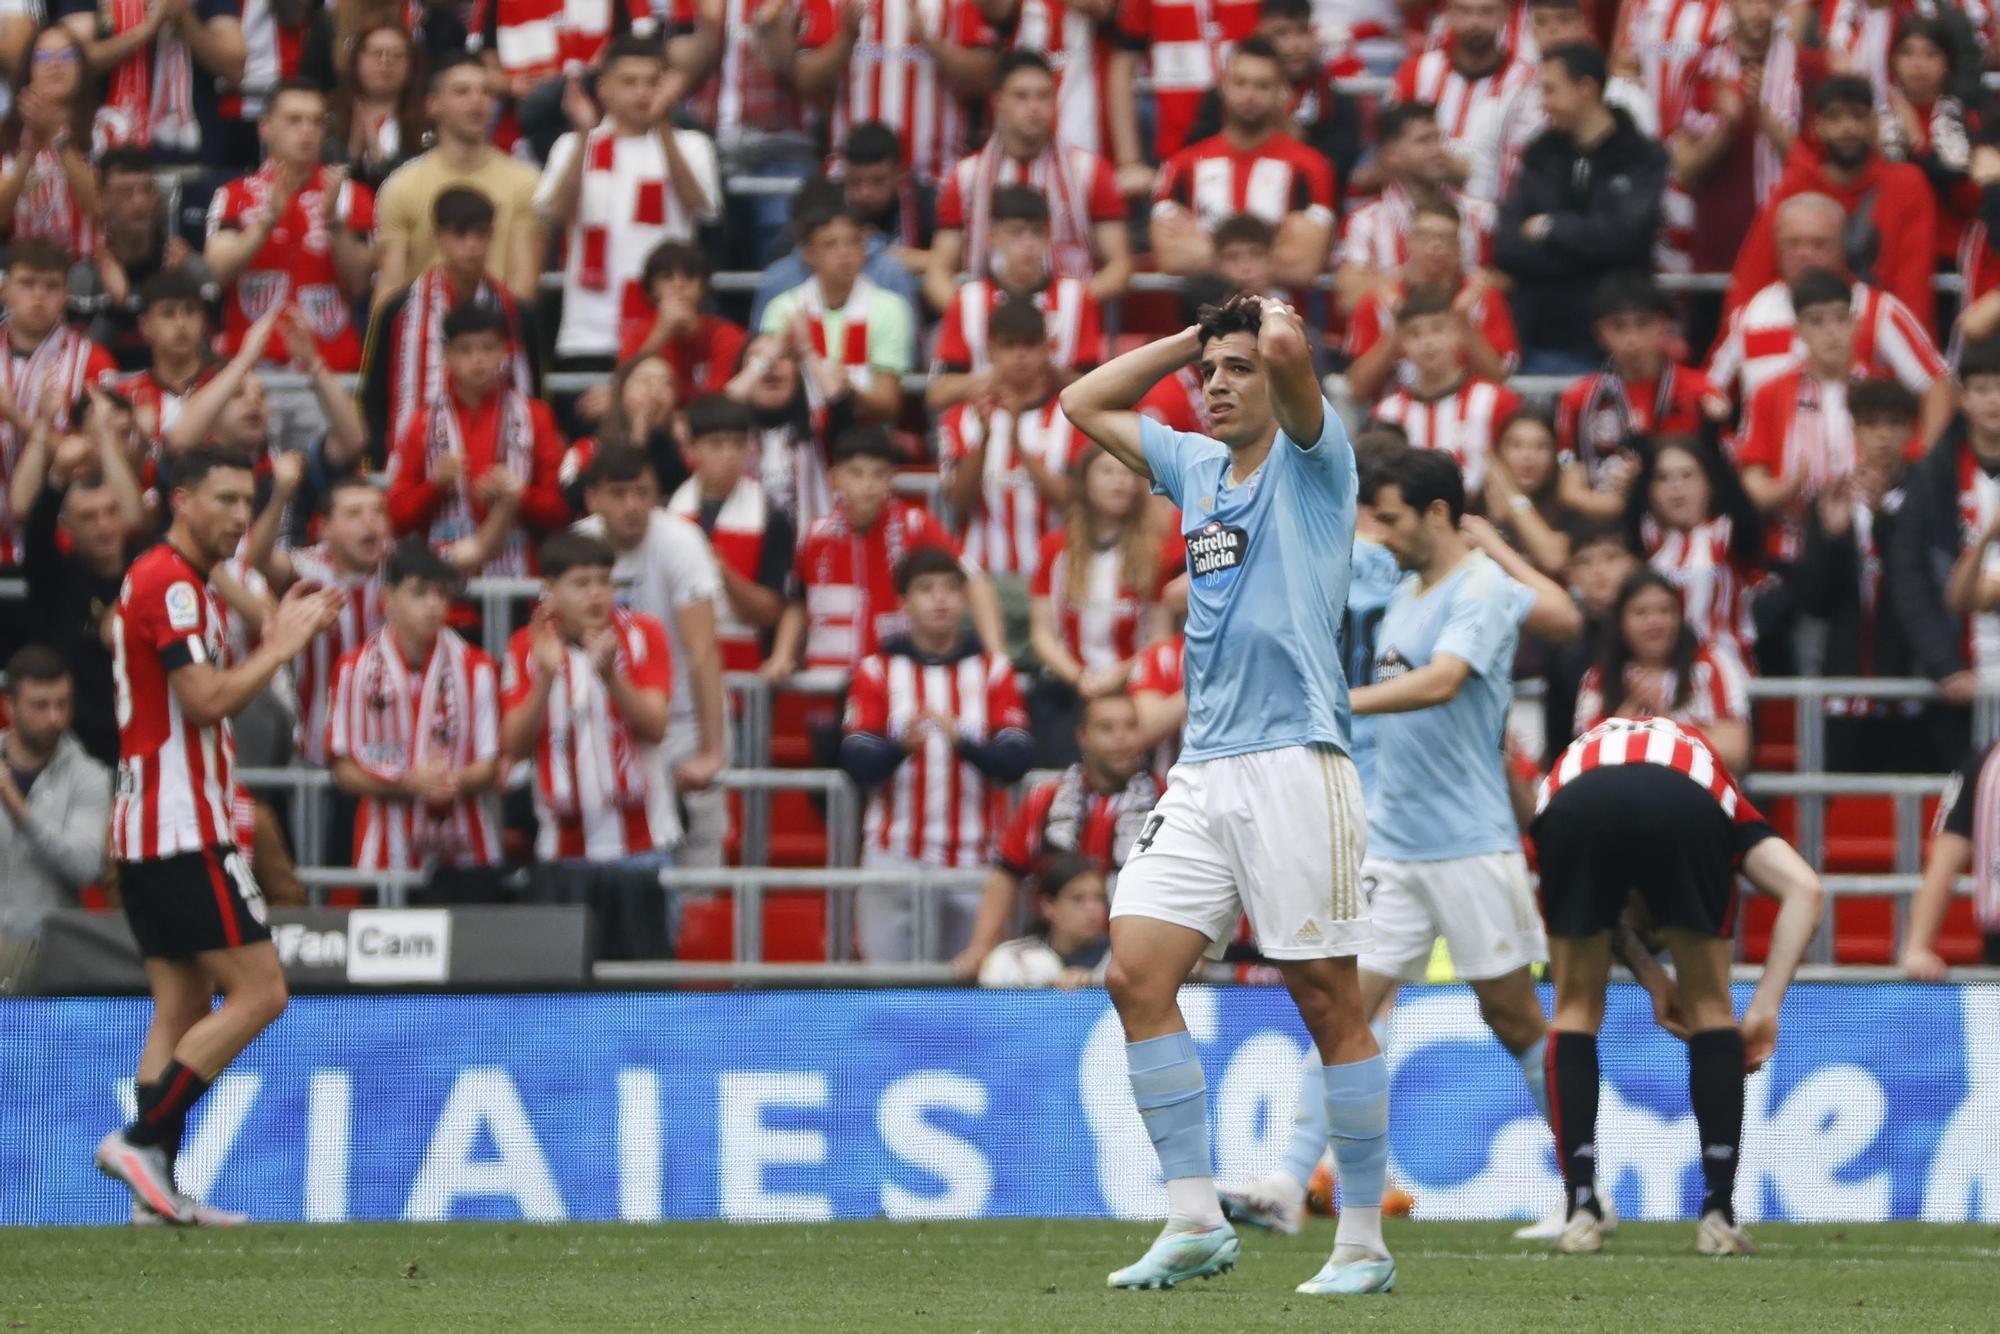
1288 1188
1360 1227
1192 1203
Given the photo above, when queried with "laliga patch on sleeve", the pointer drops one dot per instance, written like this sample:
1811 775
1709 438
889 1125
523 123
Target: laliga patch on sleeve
183 607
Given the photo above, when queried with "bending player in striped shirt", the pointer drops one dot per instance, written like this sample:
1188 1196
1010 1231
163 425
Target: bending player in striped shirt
1263 811
1641 809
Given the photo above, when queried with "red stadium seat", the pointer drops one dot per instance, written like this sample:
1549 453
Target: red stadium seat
1775 724
1860 835
794 923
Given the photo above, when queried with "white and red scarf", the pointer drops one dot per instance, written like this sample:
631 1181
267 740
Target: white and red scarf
419 367
63 355
583 729
852 355
1053 173
149 102
391 734
516 449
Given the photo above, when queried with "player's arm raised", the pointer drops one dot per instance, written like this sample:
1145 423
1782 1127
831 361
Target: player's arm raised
1296 400
208 694
1103 403
1776 868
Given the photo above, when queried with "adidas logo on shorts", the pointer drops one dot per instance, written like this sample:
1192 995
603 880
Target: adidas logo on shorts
1307 934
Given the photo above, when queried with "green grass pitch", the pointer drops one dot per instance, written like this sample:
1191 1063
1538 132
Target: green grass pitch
1031 1276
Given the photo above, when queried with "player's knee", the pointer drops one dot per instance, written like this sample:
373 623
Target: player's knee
1134 991
264 1000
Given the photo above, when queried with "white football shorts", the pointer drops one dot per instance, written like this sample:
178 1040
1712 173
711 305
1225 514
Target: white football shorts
1482 906
1276 833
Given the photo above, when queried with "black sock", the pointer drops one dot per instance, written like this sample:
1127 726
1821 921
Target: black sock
1572 1059
1715 1082
163 1116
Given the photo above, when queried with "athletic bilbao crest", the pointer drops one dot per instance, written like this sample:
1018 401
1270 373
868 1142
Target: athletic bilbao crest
324 310
258 292
1215 553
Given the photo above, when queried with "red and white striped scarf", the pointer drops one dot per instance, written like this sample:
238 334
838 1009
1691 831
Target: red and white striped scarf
419 366
853 352
583 729
542 37
391 733
1986 842
150 100
47 207
1053 173
65 355
515 448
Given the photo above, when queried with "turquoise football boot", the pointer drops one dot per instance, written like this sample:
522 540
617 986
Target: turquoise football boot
1176 1257
1351 1274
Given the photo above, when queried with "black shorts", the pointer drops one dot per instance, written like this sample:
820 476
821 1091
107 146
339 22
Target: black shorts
180 906
1644 827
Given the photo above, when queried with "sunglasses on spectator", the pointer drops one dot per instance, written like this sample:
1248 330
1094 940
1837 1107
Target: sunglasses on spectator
50 57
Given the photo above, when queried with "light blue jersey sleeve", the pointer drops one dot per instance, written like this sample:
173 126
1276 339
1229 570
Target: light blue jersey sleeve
1481 628
1329 460
1170 453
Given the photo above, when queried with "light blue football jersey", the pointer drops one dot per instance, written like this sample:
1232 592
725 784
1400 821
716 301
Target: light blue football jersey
1440 782
1268 567
1375 577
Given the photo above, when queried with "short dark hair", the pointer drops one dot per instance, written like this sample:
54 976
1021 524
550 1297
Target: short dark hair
617 464
815 194
462 209
39 254
1979 356
1820 287
1200 291
1021 58
166 285
1843 90
1425 477
37 663
1439 206
1058 870
1374 450
1881 401
634 47
869 143
1580 61
353 481
292 85
718 414
1574 6
1297 10
676 259
863 442
473 317
1240 313
570 550
192 466
1598 530
1393 122
813 222
128 158
1625 292
1019 203
414 558
1422 302
1243 229
1933 30
454 60
1017 323
923 561
1257 48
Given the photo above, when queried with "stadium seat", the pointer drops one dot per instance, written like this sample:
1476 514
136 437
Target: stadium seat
794 927
1860 835
1775 725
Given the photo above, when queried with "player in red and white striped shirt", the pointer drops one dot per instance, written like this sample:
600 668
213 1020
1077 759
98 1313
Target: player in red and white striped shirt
1254 166
1375 243
1018 270
1095 600
414 732
936 732
1006 456
1087 235
1445 408
1489 346
349 556
1468 74
1643 808
194 910
1095 810
911 64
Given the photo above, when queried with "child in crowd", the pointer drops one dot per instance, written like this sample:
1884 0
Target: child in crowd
1445 407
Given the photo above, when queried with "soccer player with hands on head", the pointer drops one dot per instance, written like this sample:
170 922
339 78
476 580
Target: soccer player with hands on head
1263 811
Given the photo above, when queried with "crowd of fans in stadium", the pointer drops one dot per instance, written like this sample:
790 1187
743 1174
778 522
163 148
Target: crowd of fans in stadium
217 217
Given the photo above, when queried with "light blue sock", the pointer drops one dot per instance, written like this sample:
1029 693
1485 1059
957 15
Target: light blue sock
1535 1070
1172 1094
1357 1113
1308 1122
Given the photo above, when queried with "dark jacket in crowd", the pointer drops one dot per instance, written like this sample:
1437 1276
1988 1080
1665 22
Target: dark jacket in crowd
1604 209
67 604
1929 534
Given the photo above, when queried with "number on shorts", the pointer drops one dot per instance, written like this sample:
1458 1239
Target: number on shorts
1147 834
1368 883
